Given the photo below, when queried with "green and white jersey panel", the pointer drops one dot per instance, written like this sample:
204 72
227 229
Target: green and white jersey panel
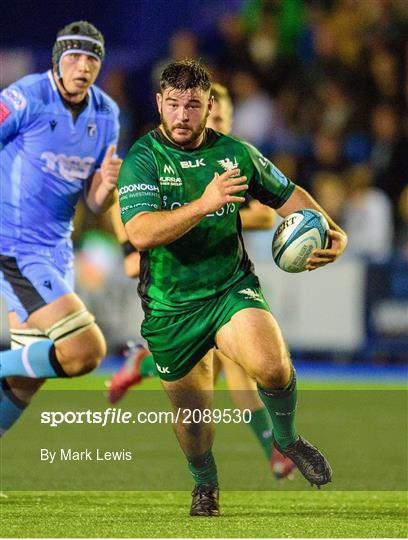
158 176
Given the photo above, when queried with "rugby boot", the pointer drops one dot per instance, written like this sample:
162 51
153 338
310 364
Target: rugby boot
205 501
310 462
282 467
129 374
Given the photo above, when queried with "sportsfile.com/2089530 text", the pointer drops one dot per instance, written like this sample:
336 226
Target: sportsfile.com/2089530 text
119 416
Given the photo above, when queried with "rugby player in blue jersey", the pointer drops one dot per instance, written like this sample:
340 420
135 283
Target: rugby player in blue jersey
58 133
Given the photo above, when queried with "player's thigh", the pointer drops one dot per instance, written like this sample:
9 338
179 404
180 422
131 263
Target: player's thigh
253 339
38 286
34 278
194 390
89 343
53 312
217 365
242 387
236 376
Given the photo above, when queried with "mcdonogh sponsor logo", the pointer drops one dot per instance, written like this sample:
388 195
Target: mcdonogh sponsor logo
137 187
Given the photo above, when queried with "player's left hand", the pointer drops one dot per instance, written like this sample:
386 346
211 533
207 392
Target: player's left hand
110 168
321 257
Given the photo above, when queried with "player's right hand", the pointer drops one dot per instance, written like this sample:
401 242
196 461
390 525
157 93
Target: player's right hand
131 264
110 168
223 189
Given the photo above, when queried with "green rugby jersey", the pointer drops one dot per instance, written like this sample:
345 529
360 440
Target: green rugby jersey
157 175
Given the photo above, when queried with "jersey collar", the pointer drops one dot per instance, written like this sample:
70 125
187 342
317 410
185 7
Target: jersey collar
207 140
53 85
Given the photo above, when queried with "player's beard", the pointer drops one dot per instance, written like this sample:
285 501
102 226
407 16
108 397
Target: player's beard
188 141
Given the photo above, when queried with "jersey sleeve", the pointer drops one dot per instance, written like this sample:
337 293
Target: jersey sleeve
138 183
268 184
13 112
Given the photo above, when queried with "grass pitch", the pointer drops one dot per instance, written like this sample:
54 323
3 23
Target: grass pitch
244 514
271 512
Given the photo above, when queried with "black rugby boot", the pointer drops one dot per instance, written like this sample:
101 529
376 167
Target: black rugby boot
205 501
310 462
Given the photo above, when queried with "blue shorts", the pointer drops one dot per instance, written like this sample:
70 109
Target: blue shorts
33 276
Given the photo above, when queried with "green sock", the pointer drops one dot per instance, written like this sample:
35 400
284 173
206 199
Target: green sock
148 367
203 469
261 425
281 405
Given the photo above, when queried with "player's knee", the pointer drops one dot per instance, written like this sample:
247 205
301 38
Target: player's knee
275 373
90 358
84 365
95 356
79 343
82 357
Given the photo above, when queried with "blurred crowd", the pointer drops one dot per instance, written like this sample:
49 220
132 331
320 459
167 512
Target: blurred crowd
321 87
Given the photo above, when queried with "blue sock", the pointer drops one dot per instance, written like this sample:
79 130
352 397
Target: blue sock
35 361
11 407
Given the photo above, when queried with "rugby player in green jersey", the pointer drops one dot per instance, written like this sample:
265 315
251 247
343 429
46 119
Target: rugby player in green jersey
180 188
139 363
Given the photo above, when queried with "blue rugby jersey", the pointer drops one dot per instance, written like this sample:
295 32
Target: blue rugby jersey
47 159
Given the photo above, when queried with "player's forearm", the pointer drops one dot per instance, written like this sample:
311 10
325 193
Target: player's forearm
118 227
152 229
301 199
131 261
100 197
257 216
131 265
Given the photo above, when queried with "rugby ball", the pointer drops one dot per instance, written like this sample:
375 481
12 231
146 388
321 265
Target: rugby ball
296 237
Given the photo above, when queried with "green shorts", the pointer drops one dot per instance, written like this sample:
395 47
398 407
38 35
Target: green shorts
178 342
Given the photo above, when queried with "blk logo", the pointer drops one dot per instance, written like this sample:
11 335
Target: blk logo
53 124
47 283
192 165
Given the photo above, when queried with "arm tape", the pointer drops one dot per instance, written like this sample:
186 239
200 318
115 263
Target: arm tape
21 338
69 326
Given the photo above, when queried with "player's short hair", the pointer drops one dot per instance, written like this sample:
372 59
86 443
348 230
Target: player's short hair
184 75
220 92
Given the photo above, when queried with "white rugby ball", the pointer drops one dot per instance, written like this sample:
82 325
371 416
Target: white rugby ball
296 237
